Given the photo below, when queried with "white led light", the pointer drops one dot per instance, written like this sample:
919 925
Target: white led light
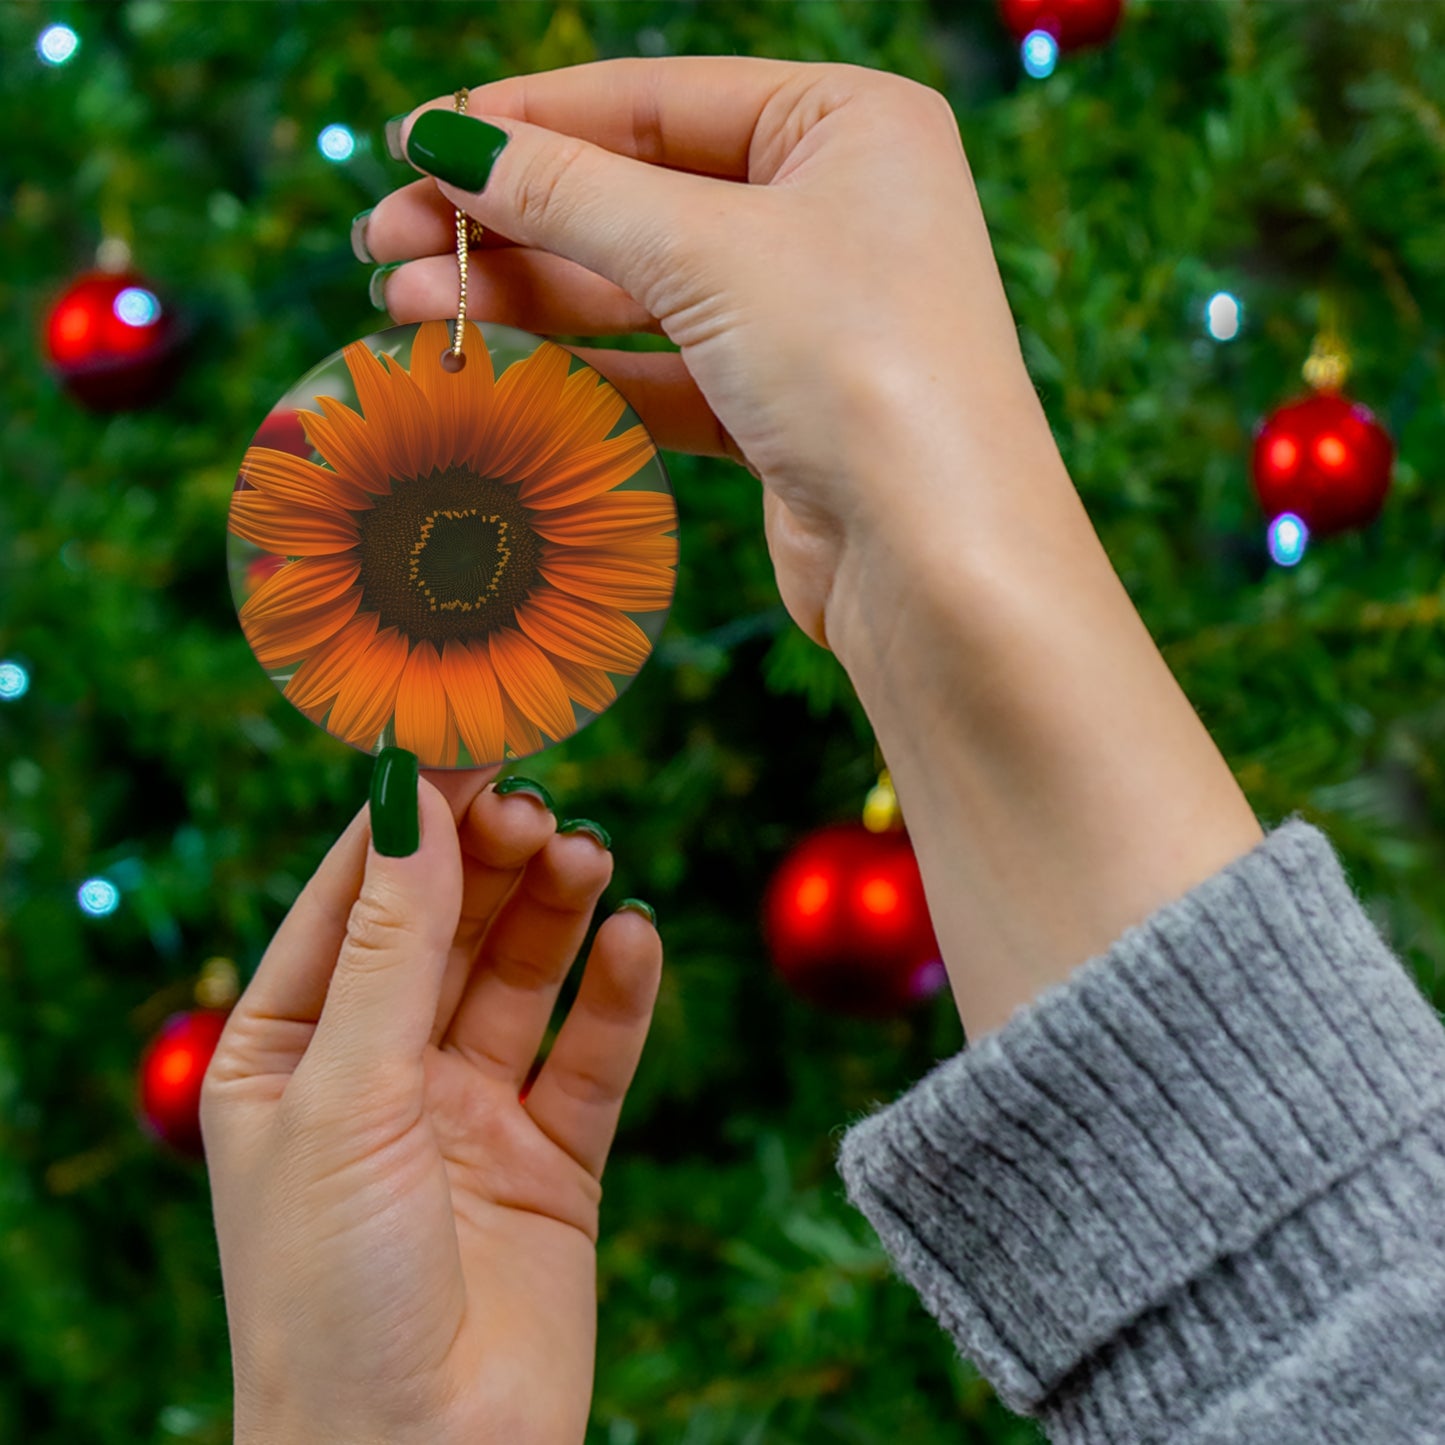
1223 316
1288 537
336 143
98 897
137 306
1040 53
14 681
57 44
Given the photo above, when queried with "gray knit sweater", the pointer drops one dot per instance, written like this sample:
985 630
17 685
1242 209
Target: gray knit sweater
1196 1192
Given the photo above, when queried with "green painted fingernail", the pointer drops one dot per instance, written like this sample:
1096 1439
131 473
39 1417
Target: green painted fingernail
528 786
377 289
636 905
358 237
586 825
455 148
393 136
395 821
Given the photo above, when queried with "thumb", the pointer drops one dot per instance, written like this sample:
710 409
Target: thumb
623 219
382 1000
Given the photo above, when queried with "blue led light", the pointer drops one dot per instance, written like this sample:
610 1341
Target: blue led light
1288 538
336 143
14 681
98 897
1040 53
57 44
1223 316
137 307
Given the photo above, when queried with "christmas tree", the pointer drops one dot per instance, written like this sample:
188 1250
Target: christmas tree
1179 214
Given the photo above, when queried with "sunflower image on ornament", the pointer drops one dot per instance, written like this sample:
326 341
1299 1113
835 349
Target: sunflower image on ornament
469 563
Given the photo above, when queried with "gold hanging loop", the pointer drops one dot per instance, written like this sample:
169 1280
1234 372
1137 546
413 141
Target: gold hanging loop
881 813
1328 366
467 231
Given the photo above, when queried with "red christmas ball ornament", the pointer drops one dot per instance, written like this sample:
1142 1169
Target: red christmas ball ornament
283 431
112 341
1073 23
171 1072
1324 458
847 924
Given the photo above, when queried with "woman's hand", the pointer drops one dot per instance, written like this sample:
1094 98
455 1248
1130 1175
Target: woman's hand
810 237
839 317
408 1248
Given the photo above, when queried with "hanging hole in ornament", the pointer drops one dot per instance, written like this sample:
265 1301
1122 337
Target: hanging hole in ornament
453 360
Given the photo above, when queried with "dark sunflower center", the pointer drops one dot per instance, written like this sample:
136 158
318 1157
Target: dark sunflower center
450 555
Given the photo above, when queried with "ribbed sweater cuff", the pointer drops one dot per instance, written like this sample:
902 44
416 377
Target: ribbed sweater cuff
1168 1151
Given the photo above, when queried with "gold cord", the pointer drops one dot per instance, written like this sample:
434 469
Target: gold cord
465 232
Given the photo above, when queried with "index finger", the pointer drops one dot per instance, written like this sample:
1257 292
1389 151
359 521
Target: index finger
695 113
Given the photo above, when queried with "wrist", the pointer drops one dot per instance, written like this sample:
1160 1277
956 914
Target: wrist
1056 783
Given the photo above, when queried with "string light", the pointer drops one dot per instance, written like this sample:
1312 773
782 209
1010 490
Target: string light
1040 52
98 897
14 681
57 44
137 307
1288 538
1223 316
336 143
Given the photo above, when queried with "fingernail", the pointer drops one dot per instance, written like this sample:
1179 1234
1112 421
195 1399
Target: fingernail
393 137
395 824
526 785
377 287
636 905
586 825
358 237
455 148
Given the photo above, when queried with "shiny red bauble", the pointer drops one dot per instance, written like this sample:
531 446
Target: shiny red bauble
847 924
112 341
1073 23
1324 458
171 1072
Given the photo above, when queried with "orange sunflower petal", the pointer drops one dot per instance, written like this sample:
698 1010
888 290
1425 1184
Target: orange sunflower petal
367 698
587 410
316 682
461 400
523 735
607 518
423 439
286 638
421 709
342 437
658 549
300 586
529 679
613 578
585 632
291 479
392 406
476 700
590 470
287 530
527 396
589 685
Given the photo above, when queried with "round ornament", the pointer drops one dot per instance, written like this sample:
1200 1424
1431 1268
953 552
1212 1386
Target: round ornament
111 341
1324 458
847 924
1073 23
172 1070
470 554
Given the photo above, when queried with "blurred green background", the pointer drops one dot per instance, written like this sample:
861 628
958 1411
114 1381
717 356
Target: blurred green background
1283 152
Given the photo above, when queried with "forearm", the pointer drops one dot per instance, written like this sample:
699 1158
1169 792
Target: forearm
1057 785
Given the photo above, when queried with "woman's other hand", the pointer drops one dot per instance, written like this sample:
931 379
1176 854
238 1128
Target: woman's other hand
408 1246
